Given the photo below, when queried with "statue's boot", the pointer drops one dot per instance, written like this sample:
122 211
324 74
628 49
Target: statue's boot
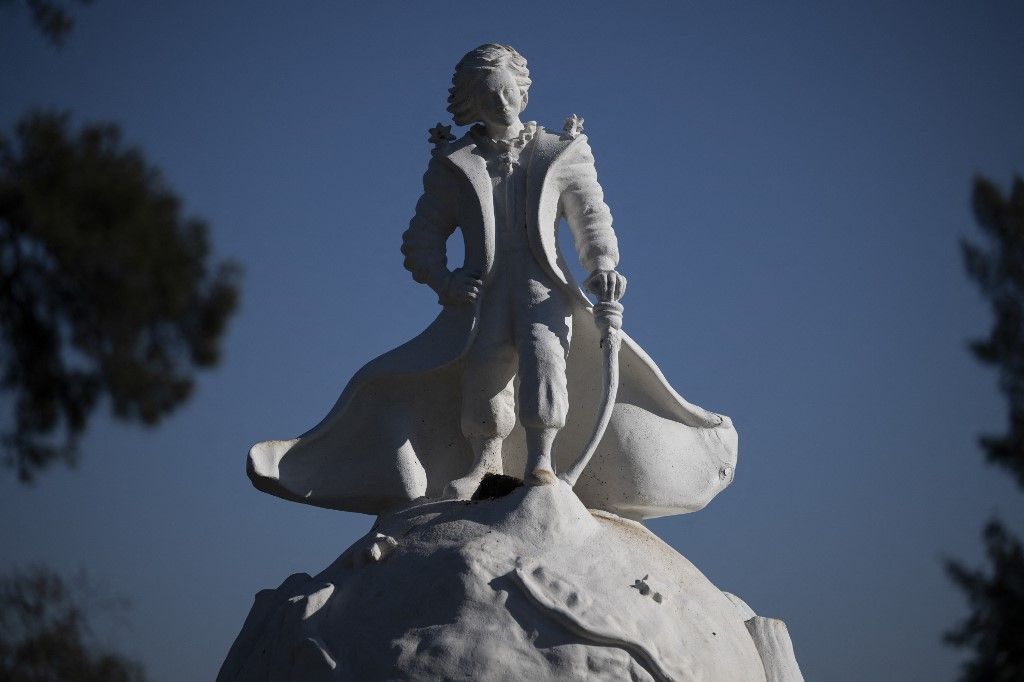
487 453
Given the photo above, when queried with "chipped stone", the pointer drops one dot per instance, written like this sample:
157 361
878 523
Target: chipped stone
641 586
316 601
381 547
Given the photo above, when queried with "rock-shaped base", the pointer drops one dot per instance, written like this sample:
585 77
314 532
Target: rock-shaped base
529 586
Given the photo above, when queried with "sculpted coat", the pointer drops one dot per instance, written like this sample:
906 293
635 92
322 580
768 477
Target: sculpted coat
394 434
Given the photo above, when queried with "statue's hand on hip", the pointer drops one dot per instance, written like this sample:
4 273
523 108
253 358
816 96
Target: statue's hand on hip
607 285
461 287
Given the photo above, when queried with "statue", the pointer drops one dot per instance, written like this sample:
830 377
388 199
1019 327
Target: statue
435 415
469 572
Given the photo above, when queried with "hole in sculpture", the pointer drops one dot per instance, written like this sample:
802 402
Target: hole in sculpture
494 486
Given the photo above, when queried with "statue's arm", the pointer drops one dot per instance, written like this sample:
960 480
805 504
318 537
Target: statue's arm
588 217
424 243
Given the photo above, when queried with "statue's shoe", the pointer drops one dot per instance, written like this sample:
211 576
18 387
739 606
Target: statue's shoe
463 488
541 476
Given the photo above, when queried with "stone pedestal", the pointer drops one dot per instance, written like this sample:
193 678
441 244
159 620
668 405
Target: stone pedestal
529 585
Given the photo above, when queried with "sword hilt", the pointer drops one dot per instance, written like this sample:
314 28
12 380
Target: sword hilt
608 315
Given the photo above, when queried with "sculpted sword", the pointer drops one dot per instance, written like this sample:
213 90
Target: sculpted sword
608 317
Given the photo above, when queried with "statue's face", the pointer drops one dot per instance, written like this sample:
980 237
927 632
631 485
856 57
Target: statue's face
499 100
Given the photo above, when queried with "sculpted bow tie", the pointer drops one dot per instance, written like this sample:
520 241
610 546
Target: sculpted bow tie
507 151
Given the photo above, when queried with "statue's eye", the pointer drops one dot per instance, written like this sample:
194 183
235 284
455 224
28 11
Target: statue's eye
724 472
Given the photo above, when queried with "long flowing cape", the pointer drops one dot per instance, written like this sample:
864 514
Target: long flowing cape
394 435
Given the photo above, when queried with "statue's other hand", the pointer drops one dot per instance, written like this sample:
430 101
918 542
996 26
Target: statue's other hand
461 287
607 285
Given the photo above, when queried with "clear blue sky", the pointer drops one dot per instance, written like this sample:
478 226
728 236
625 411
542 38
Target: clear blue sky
789 182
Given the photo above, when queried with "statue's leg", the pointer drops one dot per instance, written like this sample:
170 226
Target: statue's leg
543 333
488 401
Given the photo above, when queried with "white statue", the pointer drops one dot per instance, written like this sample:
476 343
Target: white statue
471 576
435 415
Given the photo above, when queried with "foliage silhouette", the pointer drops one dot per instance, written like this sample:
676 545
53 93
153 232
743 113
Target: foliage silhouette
45 634
105 288
995 628
53 19
1000 275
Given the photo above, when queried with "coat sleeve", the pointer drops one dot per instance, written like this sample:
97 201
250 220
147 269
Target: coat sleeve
424 243
582 204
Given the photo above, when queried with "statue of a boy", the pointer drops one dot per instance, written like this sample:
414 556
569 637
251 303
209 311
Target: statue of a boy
525 324
413 421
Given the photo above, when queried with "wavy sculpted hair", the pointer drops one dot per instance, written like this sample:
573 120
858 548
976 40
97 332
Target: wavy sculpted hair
470 69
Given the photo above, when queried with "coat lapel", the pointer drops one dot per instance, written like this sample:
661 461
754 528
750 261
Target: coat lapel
542 198
462 154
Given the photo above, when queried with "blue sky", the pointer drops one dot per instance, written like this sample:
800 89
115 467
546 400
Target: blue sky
789 182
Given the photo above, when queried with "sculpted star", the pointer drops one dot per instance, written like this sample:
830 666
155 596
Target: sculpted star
440 134
573 126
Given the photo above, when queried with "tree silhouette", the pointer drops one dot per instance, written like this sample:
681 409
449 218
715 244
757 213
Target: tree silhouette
999 272
53 19
44 634
105 288
995 627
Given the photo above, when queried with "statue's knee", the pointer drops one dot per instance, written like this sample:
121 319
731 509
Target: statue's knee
543 390
495 419
544 409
